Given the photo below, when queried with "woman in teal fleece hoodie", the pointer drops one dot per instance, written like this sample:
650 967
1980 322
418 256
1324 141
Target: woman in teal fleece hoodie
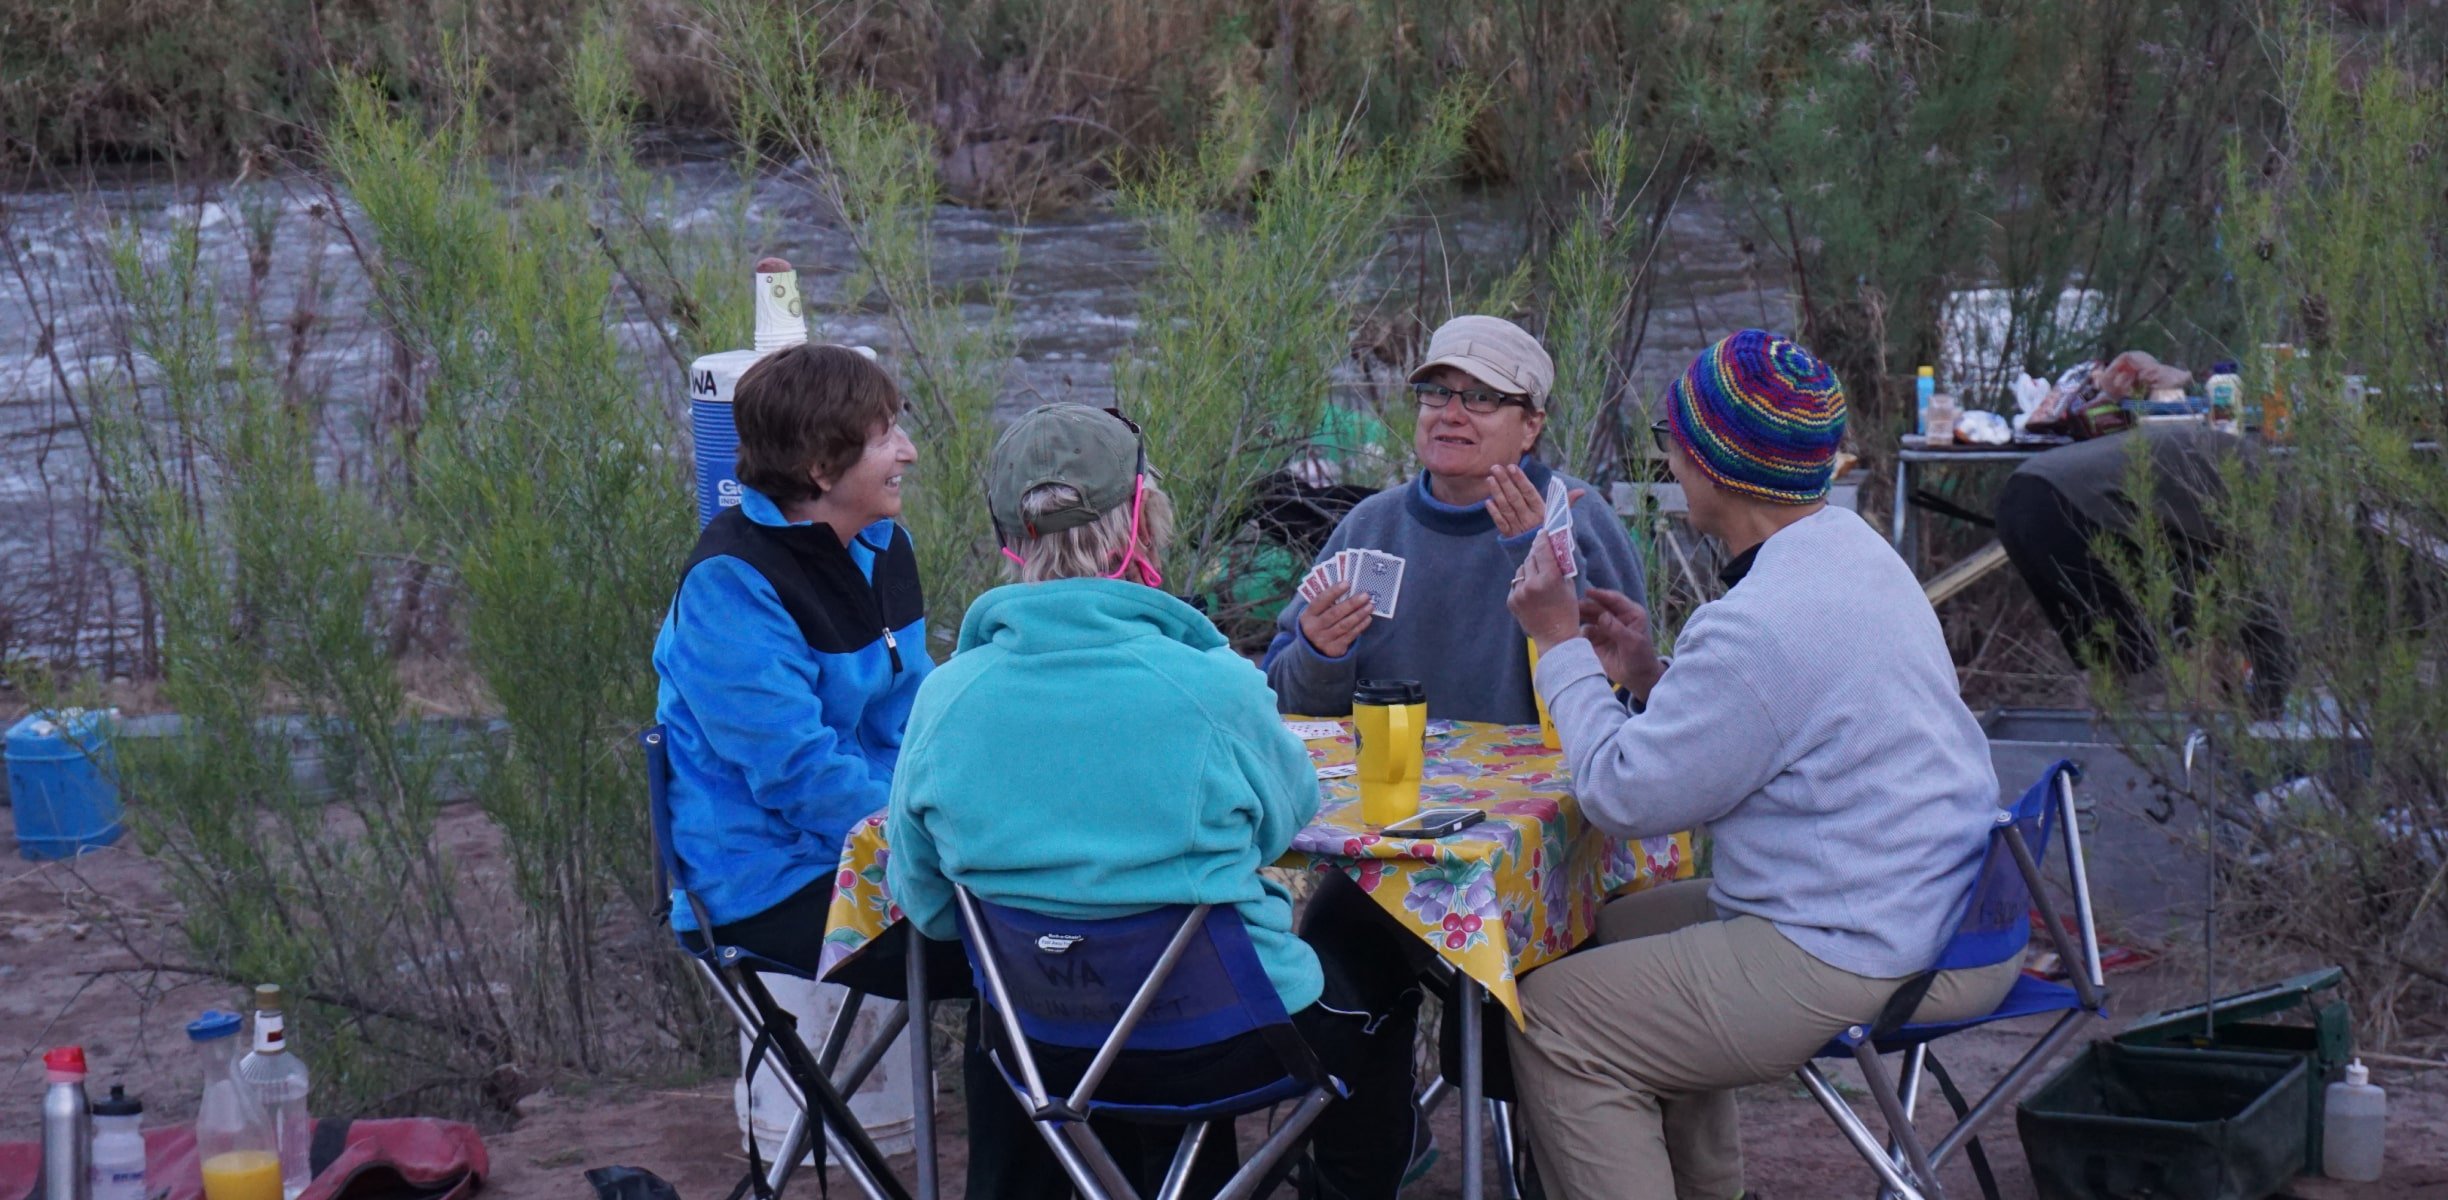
1095 748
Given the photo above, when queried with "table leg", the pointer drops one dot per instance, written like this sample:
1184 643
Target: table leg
1474 1114
922 1068
1903 490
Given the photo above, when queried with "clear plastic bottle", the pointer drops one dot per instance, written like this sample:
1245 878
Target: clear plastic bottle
2352 1122
276 1079
2225 391
233 1140
118 1163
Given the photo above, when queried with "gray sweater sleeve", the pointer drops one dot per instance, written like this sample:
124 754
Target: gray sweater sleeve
1306 682
1703 745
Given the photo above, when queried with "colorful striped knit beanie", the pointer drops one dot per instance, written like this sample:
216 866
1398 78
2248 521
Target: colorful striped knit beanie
1761 416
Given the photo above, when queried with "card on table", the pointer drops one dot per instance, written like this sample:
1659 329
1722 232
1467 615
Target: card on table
1339 771
1379 576
1310 731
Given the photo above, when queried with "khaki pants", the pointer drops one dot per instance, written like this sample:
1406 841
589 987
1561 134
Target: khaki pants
1626 1069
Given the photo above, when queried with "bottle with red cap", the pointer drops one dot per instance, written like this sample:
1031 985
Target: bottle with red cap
67 1128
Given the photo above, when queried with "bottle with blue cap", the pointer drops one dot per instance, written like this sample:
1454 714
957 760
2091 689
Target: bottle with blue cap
233 1139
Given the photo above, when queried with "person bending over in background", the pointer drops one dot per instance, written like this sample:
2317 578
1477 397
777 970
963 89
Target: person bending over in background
2063 506
1810 720
1460 528
793 649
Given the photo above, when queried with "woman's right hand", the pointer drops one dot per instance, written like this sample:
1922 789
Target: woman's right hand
1336 619
1618 630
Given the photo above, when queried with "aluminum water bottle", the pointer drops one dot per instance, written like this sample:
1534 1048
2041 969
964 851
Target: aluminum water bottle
277 1080
118 1170
67 1127
2352 1123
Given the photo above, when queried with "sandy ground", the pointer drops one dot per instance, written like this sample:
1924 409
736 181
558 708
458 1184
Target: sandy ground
81 944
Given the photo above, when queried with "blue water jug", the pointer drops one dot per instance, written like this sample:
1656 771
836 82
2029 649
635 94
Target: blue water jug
62 798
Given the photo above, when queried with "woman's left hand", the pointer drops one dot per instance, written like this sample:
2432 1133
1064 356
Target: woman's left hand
1542 599
1514 503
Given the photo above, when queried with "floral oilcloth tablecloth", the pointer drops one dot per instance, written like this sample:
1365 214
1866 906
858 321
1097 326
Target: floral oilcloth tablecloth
1499 898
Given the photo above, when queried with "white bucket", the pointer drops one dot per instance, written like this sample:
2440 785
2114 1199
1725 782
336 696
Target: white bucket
882 1104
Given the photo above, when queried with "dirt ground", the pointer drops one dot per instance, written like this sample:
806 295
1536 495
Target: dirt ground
82 943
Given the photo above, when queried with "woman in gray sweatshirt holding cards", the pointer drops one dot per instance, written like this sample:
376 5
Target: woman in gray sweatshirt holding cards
1459 531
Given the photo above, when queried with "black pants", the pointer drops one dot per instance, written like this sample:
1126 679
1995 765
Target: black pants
2053 547
1361 1030
791 932
2051 543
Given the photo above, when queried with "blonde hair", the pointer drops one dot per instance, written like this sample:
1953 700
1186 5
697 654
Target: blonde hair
1093 550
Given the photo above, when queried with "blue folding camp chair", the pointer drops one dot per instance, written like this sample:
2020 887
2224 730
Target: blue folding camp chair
1174 978
1996 926
816 1081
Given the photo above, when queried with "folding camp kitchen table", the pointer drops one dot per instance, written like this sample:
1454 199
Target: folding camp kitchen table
1518 889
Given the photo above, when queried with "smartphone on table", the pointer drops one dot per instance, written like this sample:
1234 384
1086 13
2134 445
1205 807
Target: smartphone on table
1437 823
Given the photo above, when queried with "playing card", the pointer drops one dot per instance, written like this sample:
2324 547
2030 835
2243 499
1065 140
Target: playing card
1557 529
1380 576
1344 771
1310 731
1559 506
1562 542
1313 584
1343 565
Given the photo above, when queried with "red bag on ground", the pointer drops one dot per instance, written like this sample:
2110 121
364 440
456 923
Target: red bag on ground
408 1158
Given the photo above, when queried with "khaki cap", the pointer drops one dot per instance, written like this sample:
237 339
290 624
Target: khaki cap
1090 450
1494 351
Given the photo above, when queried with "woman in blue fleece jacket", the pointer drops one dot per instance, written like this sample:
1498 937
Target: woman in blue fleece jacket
792 651
1095 748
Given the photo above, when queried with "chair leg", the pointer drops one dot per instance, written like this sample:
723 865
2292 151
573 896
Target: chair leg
794 1147
1850 1125
815 1092
1100 1161
1177 1176
1084 1179
1244 1183
922 1066
1899 1123
2017 1078
1500 1114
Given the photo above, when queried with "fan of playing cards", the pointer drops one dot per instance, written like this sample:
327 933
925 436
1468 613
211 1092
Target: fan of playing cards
1373 573
1557 529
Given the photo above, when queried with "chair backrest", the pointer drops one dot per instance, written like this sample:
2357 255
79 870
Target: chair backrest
669 877
1071 981
1996 922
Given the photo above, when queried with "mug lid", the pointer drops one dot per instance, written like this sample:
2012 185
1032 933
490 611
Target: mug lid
1390 691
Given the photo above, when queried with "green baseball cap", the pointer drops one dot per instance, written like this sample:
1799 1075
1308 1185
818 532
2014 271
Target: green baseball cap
1090 450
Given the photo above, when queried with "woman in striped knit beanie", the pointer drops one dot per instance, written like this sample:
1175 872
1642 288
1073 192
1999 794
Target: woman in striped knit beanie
1811 722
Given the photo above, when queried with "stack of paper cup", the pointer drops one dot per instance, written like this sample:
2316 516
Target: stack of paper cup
780 323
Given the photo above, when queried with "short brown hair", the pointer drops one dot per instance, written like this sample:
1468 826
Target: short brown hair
808 410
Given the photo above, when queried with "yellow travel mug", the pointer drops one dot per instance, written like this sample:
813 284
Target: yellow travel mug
1547 733
1390 721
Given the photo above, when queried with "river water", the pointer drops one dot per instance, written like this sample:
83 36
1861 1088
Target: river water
1077 289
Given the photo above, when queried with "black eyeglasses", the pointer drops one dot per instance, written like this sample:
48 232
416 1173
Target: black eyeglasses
1437 395
1657 433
